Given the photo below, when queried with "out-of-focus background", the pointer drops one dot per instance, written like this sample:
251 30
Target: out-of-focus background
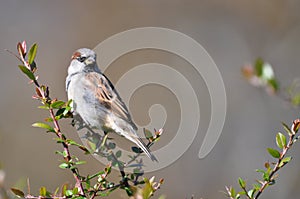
233 32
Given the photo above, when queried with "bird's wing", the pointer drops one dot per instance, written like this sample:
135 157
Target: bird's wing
108 96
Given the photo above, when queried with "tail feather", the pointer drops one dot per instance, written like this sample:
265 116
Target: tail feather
131 135
146 150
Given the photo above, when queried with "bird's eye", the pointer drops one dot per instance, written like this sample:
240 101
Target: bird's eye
81 59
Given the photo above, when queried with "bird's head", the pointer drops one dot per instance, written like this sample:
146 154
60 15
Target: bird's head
83 59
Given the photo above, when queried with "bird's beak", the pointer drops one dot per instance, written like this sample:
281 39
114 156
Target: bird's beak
89 61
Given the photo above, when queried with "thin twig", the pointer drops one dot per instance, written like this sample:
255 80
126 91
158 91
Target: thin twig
276 167
58 132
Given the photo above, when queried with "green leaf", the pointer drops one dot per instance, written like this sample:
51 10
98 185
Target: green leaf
44 107
285 161
18 192
147 133
27 72
273 82
232 192
86 151
66 110
259 67
59 152
118 154
281 140
286 128
251 192
273 152
75 191
147 190
95 175
92 145
32 53
69 193
72 142
242 183
80 162
62 153
64 165
64 189
111 145
43 126
136 149
256 187
59 140
56 191
43 191
129 191
57 104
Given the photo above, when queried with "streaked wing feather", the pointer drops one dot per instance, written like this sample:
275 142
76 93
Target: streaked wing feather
107 94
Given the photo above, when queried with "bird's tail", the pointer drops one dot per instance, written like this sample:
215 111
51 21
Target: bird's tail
130 134
138 141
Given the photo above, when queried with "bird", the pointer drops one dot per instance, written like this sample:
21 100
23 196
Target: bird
96 101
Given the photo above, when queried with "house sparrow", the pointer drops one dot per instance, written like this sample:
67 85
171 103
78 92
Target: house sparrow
96 100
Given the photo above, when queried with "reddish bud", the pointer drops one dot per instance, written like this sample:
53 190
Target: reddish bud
38 92
20 50
295 126
24 46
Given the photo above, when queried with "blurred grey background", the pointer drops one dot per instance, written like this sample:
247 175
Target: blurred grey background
233 32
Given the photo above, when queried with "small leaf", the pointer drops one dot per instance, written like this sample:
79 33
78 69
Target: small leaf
20 49
273 152
72 142
147 190
118 154
59 140
111 145
147 133
286 128
18 192
259 67
274 84
84 149
69 193
63 165
137 171
27 72
232 192
251 192
56 191
242 183
256 187
57 104
136 149
95 175
32 53
38 92
44 126
281 140
75 191
43 191
80 162
43 107
59 152
64 189
284 161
